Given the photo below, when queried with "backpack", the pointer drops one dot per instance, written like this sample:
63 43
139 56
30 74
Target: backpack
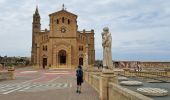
79 73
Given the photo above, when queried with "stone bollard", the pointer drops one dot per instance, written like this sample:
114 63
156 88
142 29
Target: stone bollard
106 77
11 71
11 75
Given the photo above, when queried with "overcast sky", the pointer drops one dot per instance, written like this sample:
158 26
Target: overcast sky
140 28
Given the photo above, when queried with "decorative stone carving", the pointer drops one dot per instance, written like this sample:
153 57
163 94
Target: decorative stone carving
152 91
107 45
131 83
85 60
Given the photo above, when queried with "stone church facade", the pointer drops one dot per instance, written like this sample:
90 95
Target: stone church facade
62 46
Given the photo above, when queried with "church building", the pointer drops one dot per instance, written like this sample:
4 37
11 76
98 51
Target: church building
62 46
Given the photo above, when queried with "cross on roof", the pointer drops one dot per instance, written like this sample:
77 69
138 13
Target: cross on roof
63 7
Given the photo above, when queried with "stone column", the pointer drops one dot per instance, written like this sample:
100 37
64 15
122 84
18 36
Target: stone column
50 53
69 60
54 60
106 77
38 56
57 59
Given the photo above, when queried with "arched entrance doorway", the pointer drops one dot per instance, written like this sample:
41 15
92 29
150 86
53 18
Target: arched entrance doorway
80 61
62 57
44 62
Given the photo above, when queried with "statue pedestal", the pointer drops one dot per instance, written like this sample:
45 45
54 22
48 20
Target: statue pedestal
106 77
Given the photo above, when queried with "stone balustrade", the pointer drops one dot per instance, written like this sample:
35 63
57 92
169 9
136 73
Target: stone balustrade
96 82
108 88
145 73
145 65
117 92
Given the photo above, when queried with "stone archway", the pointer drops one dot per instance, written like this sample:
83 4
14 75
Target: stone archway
44 61
62 57
80 61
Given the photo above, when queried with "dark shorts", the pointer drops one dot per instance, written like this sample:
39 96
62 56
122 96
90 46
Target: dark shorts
79 81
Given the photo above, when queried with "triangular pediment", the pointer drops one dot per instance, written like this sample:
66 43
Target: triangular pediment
62 12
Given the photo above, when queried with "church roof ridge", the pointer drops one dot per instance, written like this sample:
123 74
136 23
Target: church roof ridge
63 11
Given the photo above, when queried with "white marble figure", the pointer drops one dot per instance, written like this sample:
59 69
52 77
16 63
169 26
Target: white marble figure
107 45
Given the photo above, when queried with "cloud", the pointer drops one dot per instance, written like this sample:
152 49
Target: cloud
139 27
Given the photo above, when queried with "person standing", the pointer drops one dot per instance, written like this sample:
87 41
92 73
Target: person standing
79 74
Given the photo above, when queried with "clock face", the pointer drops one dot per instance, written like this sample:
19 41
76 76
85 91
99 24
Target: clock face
63 29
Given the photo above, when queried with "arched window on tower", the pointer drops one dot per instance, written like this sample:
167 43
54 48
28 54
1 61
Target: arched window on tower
35 26
36 19
63 19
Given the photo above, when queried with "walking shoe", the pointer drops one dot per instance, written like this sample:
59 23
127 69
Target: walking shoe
79 92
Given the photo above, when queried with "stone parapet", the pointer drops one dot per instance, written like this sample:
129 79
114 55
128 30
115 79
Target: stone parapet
116 92
105 83
145 73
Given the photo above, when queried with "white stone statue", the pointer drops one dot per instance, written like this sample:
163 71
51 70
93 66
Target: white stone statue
107 45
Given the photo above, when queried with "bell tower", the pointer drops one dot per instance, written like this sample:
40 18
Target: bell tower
36 28
36 21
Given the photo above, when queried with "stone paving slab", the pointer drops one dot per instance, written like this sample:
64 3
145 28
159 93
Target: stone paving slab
47 89
58 94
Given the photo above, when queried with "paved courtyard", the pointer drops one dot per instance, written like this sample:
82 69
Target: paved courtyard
58 84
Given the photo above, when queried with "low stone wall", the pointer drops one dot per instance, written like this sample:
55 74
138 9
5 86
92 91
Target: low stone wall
6 75
151 74
145 73
162 75
116 92
93 78
150 66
